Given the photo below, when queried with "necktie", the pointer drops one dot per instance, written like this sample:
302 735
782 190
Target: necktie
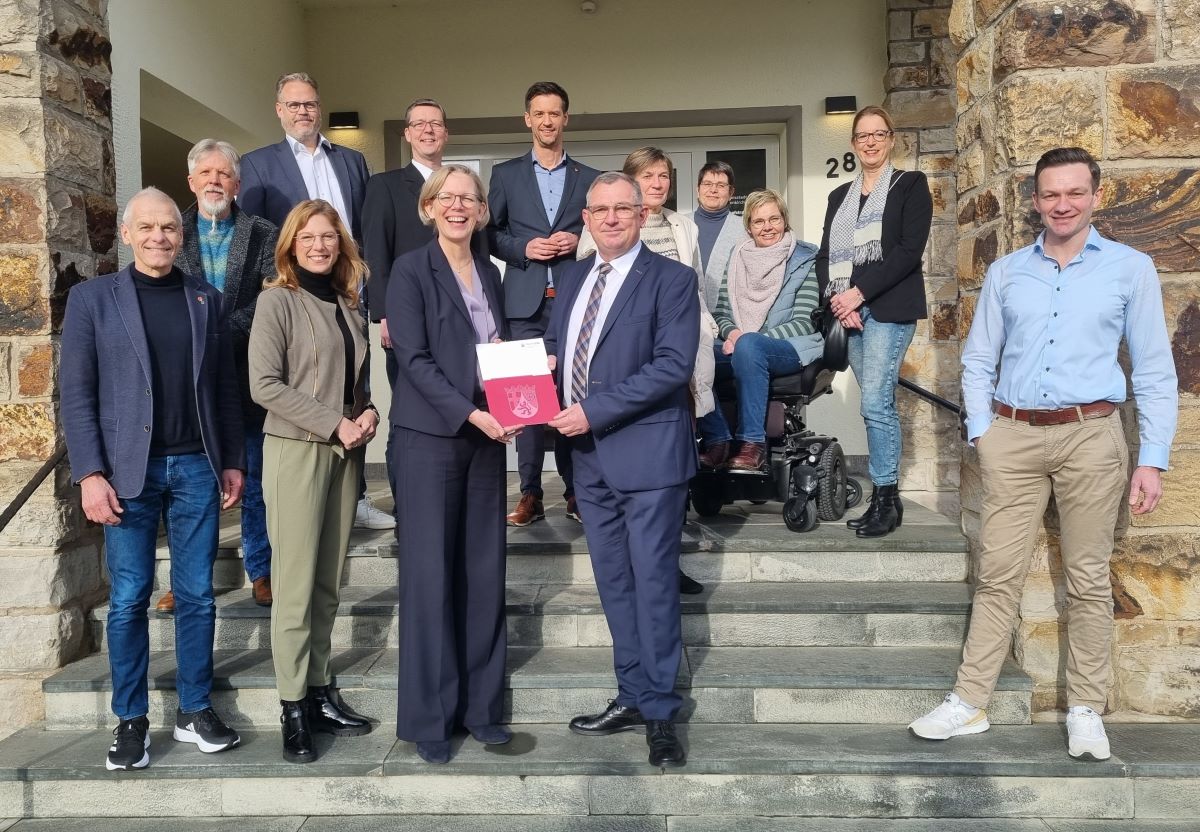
579 362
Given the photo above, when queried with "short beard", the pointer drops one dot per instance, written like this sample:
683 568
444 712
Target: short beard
214 209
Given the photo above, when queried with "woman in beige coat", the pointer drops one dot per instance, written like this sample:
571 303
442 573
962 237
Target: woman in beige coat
309 369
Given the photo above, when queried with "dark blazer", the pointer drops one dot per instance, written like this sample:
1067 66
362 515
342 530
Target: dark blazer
894 287
518 217
251 261
638 403
437 386
107 404
272 185
391 227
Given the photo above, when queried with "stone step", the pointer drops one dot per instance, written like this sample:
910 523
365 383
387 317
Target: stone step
553 684
727 614
593 823
761 777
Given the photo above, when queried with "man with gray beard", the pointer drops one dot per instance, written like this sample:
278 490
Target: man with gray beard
235 252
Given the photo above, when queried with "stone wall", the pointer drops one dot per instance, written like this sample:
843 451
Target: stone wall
920 99
57 220
1122 79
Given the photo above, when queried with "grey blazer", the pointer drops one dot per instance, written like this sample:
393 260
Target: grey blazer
732 233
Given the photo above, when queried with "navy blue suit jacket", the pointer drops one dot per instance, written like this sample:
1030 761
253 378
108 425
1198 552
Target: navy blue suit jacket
638 404
106 401
437 386
518 216
272 185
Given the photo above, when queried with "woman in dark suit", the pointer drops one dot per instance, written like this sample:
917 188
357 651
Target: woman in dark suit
869 266
448 455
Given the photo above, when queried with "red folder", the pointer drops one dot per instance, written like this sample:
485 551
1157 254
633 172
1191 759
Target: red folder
522 400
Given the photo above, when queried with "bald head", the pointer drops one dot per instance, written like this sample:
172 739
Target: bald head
152 227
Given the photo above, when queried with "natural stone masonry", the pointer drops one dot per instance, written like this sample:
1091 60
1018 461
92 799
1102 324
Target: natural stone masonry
57 227
1119 78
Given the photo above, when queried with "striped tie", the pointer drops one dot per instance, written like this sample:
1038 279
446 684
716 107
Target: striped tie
579 363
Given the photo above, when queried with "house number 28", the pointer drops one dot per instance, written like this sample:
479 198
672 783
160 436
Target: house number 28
848 164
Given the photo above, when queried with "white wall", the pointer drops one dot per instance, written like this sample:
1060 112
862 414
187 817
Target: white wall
222 55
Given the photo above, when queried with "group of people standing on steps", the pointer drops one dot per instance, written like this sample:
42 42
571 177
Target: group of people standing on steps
257 308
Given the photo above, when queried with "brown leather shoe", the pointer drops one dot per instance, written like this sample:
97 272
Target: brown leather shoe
261 591
166 603
529 509
751 457
714 456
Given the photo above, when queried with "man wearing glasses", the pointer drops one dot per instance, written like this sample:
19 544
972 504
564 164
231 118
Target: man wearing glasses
720 230
536 202
306 165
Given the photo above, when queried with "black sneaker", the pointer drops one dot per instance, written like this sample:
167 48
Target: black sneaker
206 730
131 748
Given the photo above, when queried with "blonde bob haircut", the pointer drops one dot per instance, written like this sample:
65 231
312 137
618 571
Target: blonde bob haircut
349 270
437 181
758 199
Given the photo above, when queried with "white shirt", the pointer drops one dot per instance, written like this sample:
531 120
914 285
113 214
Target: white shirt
424 171
319 178
612 285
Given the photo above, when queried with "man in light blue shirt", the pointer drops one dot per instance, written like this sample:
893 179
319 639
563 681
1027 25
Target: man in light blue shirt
1041 385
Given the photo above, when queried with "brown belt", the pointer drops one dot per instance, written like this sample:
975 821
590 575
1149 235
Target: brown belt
549 291
1062 416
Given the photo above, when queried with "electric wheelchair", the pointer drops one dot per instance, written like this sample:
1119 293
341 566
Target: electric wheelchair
804 471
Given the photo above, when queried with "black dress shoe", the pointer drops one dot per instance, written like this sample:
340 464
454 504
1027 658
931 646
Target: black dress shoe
689 586
665 747
297 738
328 714
616 718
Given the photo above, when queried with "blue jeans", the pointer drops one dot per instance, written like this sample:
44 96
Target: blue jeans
755 361
184 490
256 548
875 355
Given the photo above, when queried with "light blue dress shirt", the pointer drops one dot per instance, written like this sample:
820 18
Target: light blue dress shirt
551 184
1055 334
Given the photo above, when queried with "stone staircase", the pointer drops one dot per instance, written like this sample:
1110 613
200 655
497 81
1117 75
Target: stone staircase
803 660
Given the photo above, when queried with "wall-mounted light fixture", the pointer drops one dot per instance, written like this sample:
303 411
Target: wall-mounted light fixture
344 120
835 104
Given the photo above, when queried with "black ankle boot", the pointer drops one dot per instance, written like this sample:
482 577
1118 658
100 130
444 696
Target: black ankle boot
862 519
297 738
328 714
886 517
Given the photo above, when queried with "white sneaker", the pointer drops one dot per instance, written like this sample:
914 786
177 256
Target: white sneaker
366 516
952 718
1086 739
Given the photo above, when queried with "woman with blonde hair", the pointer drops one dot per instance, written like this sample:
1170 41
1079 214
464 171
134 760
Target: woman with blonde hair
308 368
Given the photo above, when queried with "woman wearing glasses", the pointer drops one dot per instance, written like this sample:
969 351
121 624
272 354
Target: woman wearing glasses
869 266
448 455
308 360
764 316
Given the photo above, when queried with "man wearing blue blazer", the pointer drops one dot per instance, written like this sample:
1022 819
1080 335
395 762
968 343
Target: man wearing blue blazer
623 338
153 423
536 202
306 165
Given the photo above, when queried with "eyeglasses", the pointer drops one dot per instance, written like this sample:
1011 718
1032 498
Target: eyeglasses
330 239
297 106
446 199
763 222
624 211
877 135
433 124
714 186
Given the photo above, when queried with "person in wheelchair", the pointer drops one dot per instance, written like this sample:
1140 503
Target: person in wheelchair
764 319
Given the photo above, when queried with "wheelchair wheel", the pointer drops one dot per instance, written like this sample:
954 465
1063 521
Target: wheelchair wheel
800 518
853 492
707 502
831 497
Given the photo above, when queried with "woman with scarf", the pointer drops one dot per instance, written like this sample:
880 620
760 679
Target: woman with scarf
869 267
764 319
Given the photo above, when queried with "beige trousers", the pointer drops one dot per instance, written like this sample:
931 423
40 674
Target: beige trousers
310 489
1085 465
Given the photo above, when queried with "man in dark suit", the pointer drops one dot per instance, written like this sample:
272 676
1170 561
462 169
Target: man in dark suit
235 252
153 426
306 165
536 202
624 341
